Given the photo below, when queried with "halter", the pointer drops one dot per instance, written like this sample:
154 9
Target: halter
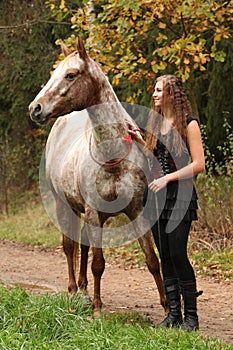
127 139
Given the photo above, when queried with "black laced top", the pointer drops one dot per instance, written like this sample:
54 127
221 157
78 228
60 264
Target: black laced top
178 200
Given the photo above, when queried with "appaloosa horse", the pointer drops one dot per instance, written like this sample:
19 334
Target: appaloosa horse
93 167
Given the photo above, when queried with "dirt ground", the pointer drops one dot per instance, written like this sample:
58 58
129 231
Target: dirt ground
123 290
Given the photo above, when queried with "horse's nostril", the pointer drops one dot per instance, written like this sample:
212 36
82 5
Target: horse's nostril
37 109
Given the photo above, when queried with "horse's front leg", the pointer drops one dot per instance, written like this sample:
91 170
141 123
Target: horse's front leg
85 245
69 224
153 265
70 248
94 232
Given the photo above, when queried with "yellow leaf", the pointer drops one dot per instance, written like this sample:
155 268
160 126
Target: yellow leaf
62 4
196 59
186 60
162 25
142 60
217 37
73 20
202 68
115 81
162 65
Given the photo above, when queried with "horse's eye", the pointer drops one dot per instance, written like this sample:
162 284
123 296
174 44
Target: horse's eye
70 76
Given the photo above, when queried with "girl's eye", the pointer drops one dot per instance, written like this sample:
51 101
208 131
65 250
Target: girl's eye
70 76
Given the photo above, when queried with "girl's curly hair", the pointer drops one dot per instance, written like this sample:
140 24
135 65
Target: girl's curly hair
173 90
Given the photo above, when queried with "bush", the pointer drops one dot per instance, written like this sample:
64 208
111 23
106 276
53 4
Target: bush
214 229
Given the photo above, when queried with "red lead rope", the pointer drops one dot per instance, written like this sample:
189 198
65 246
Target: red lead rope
128 139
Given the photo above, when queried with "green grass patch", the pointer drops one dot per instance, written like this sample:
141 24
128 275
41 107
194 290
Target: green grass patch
29 321
31 225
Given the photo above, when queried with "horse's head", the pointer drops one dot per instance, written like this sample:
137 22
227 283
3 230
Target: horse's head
73 86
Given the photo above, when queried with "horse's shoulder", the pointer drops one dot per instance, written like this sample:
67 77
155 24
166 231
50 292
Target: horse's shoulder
70 123
59 125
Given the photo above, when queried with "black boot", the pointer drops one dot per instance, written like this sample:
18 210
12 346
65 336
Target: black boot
172 292
190 294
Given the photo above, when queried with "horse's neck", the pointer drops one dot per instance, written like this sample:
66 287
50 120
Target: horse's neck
112 111
108 121
109 131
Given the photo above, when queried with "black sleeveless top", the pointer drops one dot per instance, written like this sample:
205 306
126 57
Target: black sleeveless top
178 200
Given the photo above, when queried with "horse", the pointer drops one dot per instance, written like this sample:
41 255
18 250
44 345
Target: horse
94 168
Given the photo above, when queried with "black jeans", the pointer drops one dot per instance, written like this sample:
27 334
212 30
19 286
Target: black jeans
172 249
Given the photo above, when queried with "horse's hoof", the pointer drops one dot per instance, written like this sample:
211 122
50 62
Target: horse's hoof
97 313
72 289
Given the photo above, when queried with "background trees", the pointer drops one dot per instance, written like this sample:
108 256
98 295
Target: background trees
135 41
27 44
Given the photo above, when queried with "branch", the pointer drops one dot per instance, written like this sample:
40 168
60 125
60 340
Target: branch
183 24
32 23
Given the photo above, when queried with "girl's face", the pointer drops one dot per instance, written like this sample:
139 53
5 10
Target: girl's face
158 95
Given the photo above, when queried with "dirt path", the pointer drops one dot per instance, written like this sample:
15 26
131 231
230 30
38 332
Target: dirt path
127 290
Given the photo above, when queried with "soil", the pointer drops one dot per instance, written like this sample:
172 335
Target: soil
124 290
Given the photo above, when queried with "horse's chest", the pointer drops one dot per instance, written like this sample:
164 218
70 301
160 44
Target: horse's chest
107 190
111 184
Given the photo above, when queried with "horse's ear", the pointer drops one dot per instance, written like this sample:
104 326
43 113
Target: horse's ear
65 50
81 49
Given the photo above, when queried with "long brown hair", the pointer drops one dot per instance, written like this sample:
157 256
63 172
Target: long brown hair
173 89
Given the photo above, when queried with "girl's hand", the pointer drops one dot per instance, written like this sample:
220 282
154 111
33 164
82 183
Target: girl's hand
137 135
157 185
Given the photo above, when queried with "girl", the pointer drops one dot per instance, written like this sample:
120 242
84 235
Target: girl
173 137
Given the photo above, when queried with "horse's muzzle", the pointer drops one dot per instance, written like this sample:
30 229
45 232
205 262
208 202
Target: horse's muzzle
37 115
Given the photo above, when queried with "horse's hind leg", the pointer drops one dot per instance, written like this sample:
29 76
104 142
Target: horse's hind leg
153 265
69 225
97 266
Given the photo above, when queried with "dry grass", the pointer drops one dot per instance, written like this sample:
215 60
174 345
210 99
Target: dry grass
214 229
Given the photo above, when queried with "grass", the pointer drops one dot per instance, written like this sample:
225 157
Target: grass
29 321
214 229
29 223
214 264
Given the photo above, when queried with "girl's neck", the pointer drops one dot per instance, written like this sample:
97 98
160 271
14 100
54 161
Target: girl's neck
168 119
168 115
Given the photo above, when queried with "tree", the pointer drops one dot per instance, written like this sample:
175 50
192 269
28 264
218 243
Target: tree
27 42
181 34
